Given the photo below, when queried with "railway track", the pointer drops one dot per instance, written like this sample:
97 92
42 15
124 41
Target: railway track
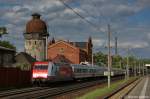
122 90
19 91
47 92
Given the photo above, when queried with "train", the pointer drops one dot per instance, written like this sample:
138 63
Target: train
52 72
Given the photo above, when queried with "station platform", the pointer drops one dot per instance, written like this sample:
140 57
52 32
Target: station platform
141 91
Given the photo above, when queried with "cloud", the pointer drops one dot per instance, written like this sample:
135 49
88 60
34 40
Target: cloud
134 44
98 42
64 23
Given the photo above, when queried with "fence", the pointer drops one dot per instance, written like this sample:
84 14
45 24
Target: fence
14 77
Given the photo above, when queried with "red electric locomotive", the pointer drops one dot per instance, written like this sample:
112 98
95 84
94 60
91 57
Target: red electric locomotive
51 72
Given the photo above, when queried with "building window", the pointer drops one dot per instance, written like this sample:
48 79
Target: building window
61 50
29 42
7 58
35 42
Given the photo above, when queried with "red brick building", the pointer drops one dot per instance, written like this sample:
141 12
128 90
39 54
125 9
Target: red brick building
72 52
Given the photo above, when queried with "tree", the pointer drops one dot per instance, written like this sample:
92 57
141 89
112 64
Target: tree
117 61
7 44
100 58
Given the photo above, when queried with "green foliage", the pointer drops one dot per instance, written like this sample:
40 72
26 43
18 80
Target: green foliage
23 66
100 58
146 61
119 61
7 44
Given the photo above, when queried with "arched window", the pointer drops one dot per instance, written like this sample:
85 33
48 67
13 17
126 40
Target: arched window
61 50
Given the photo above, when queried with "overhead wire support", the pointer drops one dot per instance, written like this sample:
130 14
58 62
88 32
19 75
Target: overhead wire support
82 17
109 57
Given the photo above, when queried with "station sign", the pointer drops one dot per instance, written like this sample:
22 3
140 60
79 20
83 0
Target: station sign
148 65
106 73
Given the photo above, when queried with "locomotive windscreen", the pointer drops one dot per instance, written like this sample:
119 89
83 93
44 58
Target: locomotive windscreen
40 67
40 70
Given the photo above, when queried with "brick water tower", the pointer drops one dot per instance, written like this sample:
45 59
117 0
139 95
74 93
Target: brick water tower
36 36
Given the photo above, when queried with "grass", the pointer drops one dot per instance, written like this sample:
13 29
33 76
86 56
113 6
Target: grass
102 91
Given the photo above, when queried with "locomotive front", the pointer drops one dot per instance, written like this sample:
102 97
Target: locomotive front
39 72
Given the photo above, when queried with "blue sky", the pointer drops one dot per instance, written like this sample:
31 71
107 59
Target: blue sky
129 20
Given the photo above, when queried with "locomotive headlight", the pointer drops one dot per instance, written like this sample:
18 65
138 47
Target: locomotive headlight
42 75
35 75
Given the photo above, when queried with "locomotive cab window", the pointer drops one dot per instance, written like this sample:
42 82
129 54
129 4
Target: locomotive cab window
40 67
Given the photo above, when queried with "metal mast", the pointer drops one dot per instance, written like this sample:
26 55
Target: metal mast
109 57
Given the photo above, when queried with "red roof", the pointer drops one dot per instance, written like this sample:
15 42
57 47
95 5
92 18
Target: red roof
36 25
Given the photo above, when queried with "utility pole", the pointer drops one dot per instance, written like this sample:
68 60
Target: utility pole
143 68
109 58
139 68
46 47
116 45
120 64
92 56
135 68
127 68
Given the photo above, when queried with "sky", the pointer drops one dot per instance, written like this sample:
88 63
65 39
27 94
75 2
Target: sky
129 21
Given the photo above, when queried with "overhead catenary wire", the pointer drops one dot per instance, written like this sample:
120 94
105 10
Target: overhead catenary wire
82 17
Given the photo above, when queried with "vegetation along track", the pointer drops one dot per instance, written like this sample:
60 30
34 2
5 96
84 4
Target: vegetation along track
46 92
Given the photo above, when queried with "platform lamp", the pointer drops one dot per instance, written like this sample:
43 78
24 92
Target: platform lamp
3 31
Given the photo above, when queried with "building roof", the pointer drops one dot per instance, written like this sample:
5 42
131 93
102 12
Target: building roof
64 42
7 49
27 57
81 45
60 59
36 25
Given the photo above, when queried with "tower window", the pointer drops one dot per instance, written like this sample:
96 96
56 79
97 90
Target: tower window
35 42
29 43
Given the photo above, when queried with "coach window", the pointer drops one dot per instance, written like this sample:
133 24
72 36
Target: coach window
79 70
